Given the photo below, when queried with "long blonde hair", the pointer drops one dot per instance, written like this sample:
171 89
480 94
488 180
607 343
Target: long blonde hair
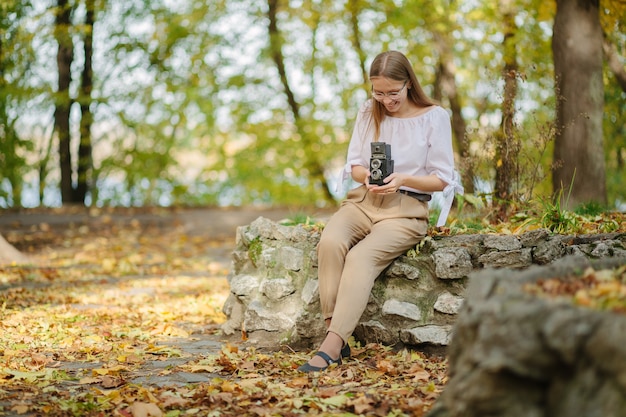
395 66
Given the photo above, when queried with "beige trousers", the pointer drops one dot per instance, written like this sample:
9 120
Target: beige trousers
359 241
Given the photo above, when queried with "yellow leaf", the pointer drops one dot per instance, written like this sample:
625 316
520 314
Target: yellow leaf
89 380
108 371
100 371
228 386
202 368
26 376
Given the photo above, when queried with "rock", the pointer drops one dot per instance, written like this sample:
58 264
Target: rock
448 304
546 251
275 289
434 335
502 243
244 285
399 308
520 258
291 258
452 263
515 354
374 332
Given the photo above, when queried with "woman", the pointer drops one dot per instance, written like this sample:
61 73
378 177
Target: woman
378 223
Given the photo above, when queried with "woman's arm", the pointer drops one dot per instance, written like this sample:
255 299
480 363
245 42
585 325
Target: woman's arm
360 174
394 181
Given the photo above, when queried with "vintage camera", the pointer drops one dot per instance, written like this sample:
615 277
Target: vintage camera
381 164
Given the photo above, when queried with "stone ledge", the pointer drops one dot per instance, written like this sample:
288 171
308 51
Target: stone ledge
274 289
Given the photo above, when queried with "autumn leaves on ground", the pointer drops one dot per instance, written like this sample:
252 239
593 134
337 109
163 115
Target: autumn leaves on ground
107 298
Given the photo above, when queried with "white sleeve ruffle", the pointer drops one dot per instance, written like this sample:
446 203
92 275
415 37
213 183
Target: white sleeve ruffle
454 187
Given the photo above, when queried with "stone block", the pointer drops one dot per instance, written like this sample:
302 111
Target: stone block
451 263
277 288
402 309
448 304
430 334
520 258
291 258
502 243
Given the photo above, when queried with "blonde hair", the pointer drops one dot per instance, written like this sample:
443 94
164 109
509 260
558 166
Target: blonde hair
395 66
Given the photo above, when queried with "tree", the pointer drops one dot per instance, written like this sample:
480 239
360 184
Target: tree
74 191
578 149
172 82
85 161
63 102
313 165
445 84
15 58
507 146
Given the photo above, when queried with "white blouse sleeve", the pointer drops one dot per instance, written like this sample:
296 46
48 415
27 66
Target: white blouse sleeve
440 161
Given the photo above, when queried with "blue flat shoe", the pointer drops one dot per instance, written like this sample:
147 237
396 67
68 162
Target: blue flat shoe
329 361
345 351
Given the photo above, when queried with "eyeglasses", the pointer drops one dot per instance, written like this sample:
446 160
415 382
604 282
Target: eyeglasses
394 95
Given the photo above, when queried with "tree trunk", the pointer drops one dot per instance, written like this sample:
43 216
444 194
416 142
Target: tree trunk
353 8
85 162
507 146
578 149
63 103
315 169
445 83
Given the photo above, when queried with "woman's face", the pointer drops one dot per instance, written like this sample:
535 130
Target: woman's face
391 93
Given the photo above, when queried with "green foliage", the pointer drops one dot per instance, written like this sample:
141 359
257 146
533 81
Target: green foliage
557 219
189 109
590 209
15 58
299 219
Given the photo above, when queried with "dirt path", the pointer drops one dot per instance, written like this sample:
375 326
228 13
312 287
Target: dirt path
47 236
31 230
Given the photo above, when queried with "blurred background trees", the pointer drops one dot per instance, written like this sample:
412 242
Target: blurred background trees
187 102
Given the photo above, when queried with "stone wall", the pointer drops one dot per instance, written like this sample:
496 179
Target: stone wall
274 289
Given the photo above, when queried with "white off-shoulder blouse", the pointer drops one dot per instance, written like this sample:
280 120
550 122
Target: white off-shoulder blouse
420 145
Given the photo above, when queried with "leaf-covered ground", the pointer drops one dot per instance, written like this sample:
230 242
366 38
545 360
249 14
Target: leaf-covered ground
98 326
599 290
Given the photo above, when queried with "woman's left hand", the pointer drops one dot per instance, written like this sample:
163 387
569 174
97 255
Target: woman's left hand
392 184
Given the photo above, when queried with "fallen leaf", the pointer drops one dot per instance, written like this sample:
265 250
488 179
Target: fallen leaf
140 409
20 409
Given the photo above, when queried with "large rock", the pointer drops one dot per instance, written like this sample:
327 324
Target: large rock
516 354
274 289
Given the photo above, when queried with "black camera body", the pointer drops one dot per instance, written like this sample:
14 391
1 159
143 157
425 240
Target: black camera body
381 164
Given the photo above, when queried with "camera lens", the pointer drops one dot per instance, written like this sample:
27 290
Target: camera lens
376 163
377 174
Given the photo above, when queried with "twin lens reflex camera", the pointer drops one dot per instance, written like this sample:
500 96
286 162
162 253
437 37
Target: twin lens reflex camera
381 164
